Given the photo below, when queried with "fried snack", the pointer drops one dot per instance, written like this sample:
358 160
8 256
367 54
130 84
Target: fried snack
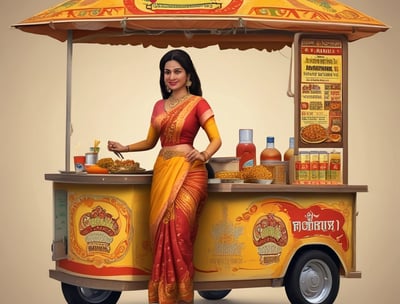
228 174
105 162
257 172
109 163
125 163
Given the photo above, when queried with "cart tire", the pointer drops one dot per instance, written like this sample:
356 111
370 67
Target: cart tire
312 278
81 295
214 294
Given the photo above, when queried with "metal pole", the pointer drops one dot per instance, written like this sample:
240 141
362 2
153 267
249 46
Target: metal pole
68 127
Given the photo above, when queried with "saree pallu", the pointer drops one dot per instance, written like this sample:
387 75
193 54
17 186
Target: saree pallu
179 189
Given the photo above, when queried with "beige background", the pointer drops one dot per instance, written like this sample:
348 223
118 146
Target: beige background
114 89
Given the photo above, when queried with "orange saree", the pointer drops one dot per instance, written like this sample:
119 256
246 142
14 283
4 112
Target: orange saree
179 188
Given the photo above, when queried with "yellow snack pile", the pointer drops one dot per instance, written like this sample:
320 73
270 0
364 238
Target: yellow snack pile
257 172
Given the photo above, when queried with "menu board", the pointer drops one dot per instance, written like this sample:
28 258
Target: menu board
321 92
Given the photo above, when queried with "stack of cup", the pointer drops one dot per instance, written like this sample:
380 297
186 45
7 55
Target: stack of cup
79 162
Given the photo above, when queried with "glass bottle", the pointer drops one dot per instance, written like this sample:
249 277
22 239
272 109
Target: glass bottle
270 153
246 150
290 151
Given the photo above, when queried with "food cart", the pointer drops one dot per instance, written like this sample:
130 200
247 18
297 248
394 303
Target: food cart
300 235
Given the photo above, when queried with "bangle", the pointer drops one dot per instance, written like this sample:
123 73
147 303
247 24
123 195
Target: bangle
206 155
127 147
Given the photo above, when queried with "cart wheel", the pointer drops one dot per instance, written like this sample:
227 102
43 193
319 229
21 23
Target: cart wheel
313 278
81 295
214 294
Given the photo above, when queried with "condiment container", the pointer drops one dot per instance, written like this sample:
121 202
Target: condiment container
246 150
270 153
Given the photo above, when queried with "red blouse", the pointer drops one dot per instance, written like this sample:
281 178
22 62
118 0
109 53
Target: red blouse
182 123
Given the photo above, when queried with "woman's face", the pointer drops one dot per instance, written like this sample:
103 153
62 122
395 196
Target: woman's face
175 76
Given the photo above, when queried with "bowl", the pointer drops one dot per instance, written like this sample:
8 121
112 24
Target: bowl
232 180
214 180
95 169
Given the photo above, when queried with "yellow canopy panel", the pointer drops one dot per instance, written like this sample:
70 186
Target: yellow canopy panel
239 24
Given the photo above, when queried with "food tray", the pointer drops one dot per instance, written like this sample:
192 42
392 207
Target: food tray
127 171
258 181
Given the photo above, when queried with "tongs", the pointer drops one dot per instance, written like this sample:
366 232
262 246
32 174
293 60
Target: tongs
119 154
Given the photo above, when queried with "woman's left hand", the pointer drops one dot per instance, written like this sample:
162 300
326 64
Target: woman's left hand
194 155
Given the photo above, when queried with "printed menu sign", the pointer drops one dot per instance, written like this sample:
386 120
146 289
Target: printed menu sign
321 91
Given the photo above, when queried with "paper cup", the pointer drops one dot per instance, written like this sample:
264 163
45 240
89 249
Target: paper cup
91 158
79 162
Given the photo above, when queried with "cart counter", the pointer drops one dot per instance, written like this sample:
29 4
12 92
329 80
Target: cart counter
248 233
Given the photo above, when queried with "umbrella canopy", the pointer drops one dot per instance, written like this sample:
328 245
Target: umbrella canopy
260 24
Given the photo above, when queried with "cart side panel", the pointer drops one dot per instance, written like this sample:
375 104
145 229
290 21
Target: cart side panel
107 232
254 236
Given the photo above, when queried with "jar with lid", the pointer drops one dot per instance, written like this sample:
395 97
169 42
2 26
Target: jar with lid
246 150
270 153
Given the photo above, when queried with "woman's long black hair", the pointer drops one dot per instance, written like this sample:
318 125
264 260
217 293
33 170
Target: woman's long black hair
186 62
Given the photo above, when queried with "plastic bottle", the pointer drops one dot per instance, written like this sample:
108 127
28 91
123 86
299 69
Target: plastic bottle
270 153
246 150
290 151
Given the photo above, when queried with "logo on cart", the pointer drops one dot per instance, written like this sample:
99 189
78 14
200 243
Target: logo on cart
269 236
317 221
99 229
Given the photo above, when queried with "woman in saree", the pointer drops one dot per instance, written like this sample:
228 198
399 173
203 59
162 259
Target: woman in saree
179 184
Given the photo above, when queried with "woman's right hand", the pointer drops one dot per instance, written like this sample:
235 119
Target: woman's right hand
115 146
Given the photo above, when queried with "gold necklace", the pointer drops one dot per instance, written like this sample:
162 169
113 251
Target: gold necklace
173 102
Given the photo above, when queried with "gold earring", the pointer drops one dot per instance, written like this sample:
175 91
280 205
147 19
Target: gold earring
188 84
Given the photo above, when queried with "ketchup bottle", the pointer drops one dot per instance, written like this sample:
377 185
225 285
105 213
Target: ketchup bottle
246 150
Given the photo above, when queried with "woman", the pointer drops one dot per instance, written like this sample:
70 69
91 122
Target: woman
179 186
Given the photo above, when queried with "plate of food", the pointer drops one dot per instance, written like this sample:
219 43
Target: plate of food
335 137
313 134
335 128
127 170
119 166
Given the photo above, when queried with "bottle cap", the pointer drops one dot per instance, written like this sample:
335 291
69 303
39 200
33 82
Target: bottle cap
270 139
246 135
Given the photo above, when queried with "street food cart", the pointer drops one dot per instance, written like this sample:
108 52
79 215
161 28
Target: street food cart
299 234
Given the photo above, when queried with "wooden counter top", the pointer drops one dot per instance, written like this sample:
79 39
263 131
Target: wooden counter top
145 178
99 179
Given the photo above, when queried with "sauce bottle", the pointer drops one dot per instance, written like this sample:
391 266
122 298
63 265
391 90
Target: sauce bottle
246 150
286 157
270 153
290 151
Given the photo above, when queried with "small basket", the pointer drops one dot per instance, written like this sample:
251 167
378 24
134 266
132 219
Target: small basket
279 171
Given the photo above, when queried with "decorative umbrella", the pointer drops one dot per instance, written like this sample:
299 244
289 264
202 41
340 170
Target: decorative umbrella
260 24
